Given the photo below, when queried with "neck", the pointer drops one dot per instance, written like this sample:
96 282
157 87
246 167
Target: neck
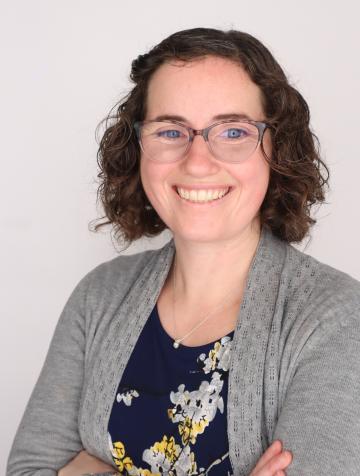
206 272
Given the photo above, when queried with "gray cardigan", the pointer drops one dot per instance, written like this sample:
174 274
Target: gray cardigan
294 372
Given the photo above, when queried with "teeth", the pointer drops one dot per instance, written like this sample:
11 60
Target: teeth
202 195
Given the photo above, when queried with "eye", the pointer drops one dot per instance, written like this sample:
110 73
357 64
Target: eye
169 134
235 133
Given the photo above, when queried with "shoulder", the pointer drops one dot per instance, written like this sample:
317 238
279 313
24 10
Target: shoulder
329 295
319 321
106 285
123 267
124 270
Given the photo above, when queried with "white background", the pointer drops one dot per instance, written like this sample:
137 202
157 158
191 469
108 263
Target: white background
63 65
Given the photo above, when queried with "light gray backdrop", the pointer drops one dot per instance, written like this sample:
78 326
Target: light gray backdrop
63 65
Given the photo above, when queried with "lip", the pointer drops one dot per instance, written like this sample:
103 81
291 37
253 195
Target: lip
202 186
212 203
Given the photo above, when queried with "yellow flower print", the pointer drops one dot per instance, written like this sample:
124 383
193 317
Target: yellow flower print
169 458
125 462
218 357
146 472
189 429
213 354
167 447
122 462
196 409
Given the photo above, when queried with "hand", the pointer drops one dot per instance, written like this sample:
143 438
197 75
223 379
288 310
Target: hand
85 463
273 462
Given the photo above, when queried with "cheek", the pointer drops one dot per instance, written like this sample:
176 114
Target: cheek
259 170
253 176
144 174
146 179
149 173
152 177
253 184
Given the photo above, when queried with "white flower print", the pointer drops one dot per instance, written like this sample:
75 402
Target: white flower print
195 410
219 356
169 458
192 411
126 397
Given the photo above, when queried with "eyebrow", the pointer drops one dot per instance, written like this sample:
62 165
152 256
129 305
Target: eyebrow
218 117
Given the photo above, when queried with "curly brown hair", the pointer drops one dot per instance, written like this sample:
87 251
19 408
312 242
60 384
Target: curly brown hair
296 177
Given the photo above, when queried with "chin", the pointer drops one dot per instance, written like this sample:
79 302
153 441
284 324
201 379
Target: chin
200 236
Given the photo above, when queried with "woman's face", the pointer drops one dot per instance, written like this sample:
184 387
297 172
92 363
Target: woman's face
197 92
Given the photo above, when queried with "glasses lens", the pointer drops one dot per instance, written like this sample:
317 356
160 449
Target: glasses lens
234 141
164 141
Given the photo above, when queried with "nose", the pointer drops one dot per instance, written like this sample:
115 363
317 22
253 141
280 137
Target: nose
199 161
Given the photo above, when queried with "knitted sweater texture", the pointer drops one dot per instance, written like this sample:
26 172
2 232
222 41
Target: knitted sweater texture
294 373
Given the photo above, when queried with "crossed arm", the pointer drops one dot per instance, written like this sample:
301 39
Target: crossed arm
84 463
272 463
319 419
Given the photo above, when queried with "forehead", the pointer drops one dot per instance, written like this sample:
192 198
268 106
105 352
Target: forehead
201 89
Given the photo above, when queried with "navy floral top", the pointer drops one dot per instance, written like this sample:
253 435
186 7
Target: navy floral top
169 415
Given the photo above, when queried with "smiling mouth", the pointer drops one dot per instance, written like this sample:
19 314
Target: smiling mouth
202 196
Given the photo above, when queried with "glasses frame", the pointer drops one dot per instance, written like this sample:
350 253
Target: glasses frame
260 125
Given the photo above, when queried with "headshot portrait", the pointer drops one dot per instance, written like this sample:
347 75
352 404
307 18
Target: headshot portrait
182 271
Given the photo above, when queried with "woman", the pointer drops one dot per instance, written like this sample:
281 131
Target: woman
198 357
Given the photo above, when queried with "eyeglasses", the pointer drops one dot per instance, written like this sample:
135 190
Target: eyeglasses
228 141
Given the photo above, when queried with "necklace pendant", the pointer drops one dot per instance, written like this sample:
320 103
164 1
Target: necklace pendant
176 344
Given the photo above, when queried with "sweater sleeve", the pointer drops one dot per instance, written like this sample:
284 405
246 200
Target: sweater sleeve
47 437
320 416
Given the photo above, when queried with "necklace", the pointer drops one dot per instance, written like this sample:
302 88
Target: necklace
177 341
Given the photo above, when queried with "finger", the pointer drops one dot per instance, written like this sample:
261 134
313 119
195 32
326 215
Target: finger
270 452
276 464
